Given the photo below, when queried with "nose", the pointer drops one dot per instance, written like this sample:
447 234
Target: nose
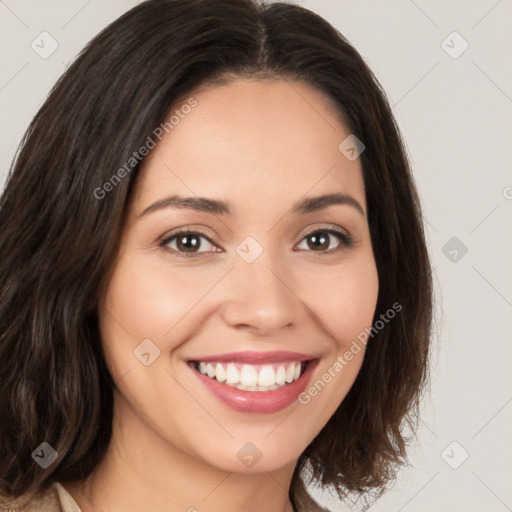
260 297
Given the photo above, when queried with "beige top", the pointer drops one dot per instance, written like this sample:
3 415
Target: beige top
53 499
57 499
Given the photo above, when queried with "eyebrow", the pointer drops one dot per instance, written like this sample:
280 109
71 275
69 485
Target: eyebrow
216 207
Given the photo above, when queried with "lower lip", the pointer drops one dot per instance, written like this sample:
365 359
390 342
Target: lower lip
259 402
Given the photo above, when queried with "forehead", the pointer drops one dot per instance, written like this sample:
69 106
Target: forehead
251 139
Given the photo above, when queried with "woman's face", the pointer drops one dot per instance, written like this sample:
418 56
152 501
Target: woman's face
258 292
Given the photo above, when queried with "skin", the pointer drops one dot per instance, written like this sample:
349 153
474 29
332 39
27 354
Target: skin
261 146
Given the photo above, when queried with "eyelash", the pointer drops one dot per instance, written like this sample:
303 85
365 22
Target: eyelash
346 240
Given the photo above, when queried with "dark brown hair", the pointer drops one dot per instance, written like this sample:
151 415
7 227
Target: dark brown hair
58 240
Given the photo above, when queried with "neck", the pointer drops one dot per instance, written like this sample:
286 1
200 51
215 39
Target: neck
142 471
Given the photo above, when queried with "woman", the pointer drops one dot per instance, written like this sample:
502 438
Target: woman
215 283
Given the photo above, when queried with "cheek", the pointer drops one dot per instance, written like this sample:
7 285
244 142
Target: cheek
344 300
344 297
150 300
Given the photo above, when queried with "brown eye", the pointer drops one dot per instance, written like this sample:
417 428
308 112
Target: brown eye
322 240
187 243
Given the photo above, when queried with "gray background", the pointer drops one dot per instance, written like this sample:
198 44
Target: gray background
455 115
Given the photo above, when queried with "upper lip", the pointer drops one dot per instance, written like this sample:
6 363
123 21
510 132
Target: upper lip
254 357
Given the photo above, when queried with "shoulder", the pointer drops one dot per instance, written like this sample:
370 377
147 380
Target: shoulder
53 499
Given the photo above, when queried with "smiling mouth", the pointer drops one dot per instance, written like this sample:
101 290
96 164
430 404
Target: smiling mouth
248 377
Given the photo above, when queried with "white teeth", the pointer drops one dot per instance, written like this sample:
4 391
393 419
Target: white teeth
296 374
248 378
281 376
220 373
210 370
267 376
232 374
